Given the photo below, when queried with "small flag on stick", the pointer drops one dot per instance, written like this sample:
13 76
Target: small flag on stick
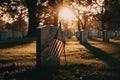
57 44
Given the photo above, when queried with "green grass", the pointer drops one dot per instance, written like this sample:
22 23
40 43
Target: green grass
95 60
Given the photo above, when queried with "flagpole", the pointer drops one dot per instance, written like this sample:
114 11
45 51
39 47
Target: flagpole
64 43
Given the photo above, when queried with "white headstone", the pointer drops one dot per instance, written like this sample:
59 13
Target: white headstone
117 34
44 35
106 36
83 36
9 33
3 35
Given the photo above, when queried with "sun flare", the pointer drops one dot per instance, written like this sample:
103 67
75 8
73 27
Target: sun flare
66 13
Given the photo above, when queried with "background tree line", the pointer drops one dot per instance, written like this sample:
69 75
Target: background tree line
46 11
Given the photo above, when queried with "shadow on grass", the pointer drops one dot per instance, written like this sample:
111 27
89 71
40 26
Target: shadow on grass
111 43
94 39
69 72
34 74
63 73
98 53
15 42
114 44
115 38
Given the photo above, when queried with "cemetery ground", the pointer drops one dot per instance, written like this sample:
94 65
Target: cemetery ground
95 60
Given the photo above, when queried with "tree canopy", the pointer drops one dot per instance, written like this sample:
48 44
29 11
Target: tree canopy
108 13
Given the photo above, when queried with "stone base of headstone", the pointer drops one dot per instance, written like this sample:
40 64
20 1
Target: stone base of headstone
83 36
48 61
106 36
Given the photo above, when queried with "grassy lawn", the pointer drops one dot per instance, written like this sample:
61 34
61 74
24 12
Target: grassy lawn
95 60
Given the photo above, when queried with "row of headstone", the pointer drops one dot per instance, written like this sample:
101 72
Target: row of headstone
67 34
83 35
99 34
4 35
92 33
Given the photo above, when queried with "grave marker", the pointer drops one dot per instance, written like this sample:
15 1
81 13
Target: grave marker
106 36
44 35
83 36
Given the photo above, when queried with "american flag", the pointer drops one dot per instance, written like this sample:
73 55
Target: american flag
56 48
57 45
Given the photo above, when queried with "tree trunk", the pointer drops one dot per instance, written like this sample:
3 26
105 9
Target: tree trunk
56 19
78 21
31 4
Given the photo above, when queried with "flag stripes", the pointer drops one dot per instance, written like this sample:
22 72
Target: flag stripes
56 48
